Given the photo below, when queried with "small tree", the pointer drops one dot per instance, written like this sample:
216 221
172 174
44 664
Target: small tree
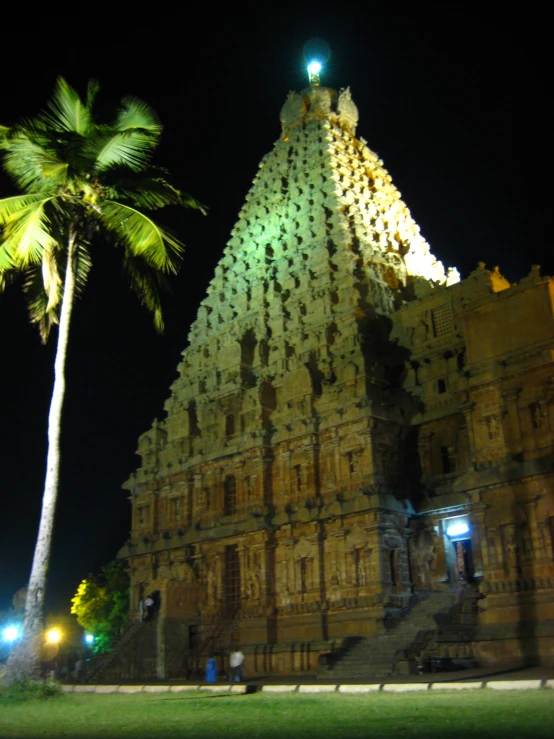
101 604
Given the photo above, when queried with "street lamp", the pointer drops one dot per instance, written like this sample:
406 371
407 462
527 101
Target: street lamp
11 633
89 638
53 636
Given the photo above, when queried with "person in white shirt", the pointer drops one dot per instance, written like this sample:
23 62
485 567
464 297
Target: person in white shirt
149 603
236 671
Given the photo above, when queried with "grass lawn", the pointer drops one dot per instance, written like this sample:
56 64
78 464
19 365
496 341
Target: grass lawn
468 714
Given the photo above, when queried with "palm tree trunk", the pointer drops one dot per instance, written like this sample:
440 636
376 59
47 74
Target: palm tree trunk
25 659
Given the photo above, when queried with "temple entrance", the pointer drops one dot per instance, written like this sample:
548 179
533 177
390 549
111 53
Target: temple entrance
194 637
459 553
462 560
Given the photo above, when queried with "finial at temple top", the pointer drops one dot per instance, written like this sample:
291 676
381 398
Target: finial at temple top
314 68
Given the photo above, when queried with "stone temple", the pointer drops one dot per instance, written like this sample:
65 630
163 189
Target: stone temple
354 475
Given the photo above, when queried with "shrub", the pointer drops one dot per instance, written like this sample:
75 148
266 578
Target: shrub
24 690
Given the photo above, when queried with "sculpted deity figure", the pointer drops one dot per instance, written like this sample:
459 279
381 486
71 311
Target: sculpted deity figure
254 580
283 595
212 582
537 415
424 559
511 549
347 108
493 428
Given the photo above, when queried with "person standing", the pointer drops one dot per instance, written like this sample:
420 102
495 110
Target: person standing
149 603
211 671
236 671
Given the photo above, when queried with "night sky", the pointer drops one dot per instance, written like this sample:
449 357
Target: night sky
454 99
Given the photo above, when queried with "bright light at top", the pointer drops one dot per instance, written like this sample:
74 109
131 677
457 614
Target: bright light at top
89 638
314 68
53 636
11 633
457 529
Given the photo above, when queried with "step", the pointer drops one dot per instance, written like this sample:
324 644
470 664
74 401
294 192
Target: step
376 656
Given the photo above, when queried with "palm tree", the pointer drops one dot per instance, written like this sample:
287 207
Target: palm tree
78 176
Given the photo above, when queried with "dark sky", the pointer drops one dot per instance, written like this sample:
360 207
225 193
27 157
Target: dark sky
454 98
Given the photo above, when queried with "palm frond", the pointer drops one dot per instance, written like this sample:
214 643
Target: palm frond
132 149
141 236
93 89
67 111
51 276
32 166
38 301
4 131
150 190
43 286
136 114
83 265
147 284
132 139
11 207
7 263
151 194
188 201
25 228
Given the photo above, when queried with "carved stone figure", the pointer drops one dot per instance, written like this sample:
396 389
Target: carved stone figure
423 557
213 590
347 108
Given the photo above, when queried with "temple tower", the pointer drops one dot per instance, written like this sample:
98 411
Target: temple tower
350 427
269 506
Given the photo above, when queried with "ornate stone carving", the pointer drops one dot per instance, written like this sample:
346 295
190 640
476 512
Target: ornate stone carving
347 109
293 109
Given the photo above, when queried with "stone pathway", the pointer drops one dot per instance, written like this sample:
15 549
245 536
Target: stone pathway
476 679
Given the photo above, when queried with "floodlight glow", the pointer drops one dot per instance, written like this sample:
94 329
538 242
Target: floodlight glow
53 636
314 68
89 638
457 529
11 633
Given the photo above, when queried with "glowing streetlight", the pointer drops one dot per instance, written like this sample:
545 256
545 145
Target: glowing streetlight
314 68
54 636
11 633
89 638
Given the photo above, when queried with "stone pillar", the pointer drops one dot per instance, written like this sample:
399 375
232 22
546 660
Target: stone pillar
426 452
531 512
512 425
441 563
379 568
479 539
267 475
467 408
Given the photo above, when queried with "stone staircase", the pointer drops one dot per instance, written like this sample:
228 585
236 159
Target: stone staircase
389 653
137 633
217 641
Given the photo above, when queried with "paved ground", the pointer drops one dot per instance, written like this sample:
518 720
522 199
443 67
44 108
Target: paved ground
483 674
471 674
